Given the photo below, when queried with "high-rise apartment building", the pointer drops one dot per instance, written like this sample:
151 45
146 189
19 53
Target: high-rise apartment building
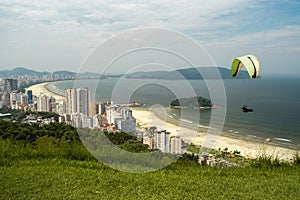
126 125
30 96
113 112
162 141
46 103
101 107
24 99
77 101
14 97
83 101
5 99
10 85
71 104
61 107
175 145
43 103
149 140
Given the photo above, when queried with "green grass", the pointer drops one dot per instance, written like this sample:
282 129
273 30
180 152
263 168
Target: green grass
59 167
74 179
193 148
62 178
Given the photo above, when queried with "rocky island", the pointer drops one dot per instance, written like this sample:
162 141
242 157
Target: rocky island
192 103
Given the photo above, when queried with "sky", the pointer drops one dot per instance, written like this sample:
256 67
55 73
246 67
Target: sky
55 35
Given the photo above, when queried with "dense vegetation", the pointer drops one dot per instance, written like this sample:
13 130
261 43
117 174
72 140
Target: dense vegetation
60 135
50 162
18 115
191 102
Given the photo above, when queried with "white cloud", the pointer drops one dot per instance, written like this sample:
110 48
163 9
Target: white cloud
174 14
285 37
56 27
276 48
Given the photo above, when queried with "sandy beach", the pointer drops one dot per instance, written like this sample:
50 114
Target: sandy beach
40 88
147 118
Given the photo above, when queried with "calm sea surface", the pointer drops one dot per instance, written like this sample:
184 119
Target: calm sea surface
275 100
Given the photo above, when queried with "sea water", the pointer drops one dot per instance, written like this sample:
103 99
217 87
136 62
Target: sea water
275 100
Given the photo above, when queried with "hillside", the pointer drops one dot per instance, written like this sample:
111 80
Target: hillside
21 71
190 74
55 165
187 73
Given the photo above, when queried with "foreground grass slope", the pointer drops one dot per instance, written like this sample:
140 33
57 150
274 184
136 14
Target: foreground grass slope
74 179
58 167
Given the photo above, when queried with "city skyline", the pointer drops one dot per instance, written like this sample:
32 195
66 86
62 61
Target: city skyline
60 35
77 110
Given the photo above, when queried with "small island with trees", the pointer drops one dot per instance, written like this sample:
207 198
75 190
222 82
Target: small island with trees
197 102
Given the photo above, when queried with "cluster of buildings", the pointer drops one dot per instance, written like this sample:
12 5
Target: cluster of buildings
120 118
27 79
213 161
163 141
77 110
35 118
11 97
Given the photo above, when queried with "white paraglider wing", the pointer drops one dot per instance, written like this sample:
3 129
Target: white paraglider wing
250 62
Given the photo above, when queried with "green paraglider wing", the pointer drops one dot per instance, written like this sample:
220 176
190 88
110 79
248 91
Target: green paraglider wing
250 62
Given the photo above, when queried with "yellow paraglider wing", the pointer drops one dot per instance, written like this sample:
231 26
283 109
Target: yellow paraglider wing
250 62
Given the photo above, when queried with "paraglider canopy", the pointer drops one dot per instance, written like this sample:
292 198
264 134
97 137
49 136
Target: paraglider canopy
250 62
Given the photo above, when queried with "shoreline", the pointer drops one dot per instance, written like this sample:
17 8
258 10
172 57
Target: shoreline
251 148
146 118
42 88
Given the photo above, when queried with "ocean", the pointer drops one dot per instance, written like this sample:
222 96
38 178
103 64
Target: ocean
274 98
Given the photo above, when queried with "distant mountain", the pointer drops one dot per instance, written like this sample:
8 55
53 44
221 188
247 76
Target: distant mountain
190 74
90 75
64 73
21 71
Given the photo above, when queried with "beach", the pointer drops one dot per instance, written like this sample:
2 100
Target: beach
147 118
157 117
41 88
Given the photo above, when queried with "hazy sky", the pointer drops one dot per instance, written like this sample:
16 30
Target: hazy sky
55 35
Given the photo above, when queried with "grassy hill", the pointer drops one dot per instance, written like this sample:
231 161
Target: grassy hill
74 179
51 163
